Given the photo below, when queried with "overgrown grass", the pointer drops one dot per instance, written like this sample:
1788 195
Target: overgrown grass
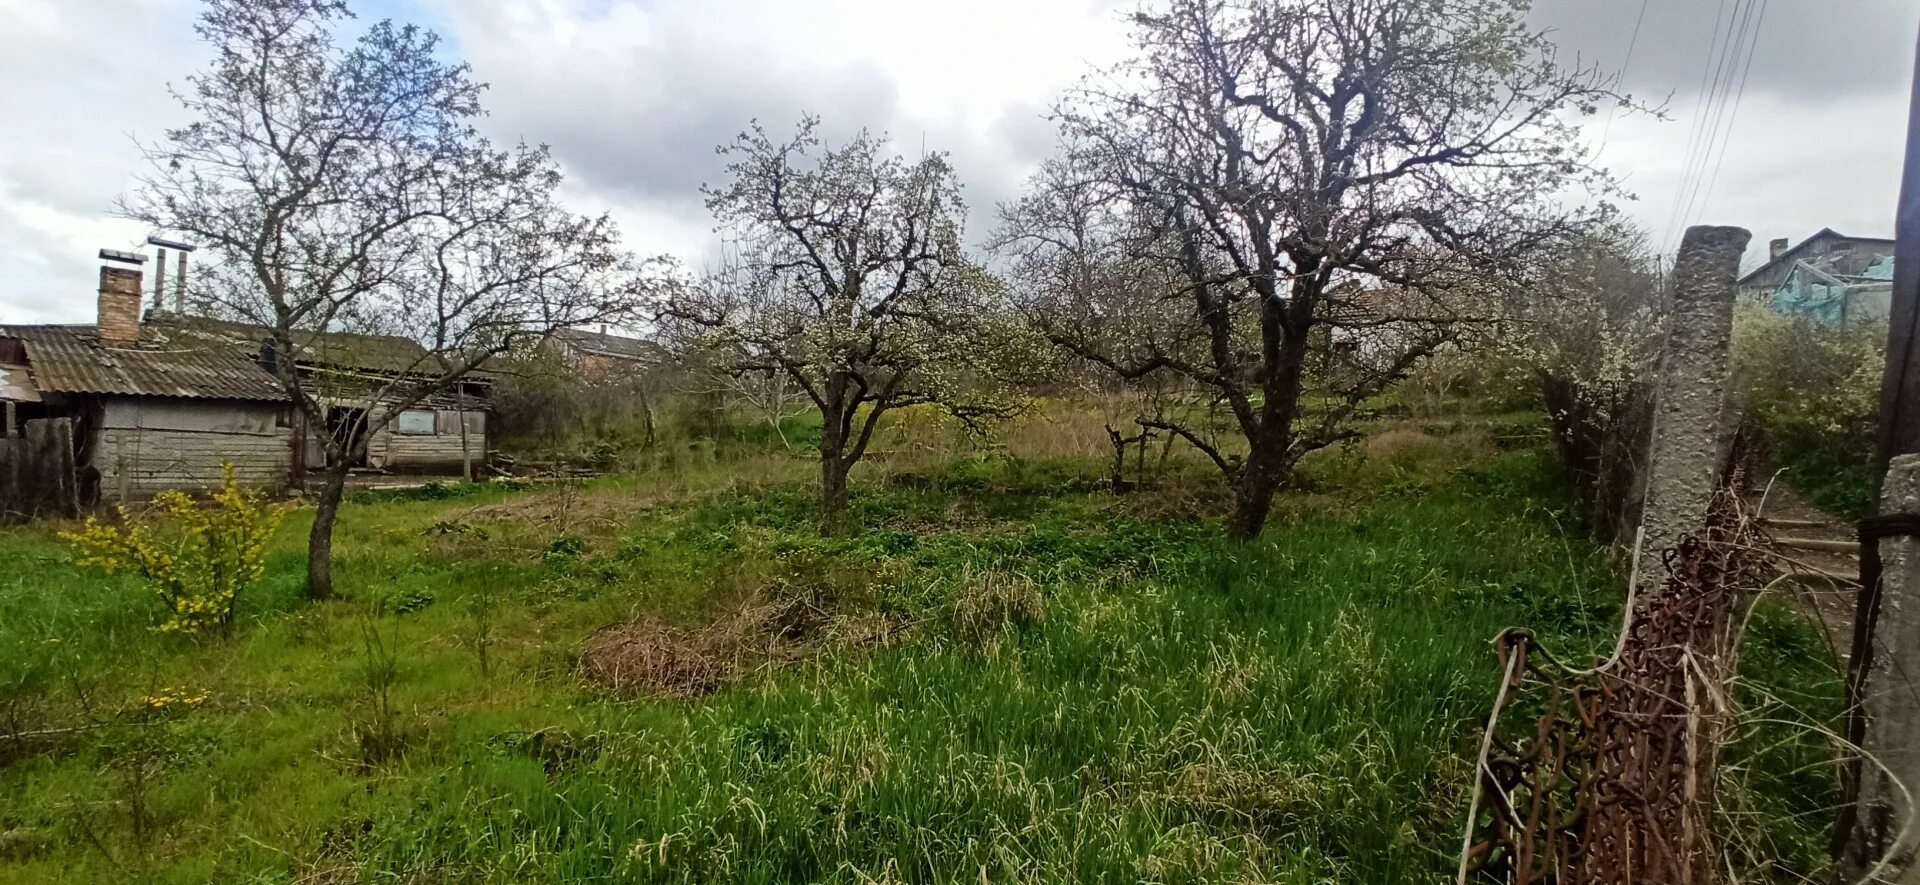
1068 686
1838 480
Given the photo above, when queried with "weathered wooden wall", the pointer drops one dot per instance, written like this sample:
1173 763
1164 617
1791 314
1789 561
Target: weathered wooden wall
146 445
37 476
440 450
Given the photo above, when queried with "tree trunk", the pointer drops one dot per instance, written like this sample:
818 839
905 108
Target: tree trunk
833 491
466 452
326 512
1270 435
833 466
1253 495
646 416
1119 477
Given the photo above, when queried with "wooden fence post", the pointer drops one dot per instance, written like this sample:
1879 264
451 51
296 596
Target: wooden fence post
1882 826
13 455
1884 709
46 485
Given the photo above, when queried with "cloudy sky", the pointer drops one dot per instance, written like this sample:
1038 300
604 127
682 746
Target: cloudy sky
634 94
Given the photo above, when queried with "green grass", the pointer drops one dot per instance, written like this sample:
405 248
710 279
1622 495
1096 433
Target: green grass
1837 479
1172 708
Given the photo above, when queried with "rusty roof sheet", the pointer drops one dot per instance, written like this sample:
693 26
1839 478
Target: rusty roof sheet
616 346
72 359
16 385
394 354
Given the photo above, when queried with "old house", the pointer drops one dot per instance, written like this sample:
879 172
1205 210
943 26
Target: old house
1844 255
164 402
443 434
598 354
1829 292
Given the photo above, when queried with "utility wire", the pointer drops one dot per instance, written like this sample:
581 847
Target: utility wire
1707 125
1719 112
1626 64
1693 135
1724 82
1707 204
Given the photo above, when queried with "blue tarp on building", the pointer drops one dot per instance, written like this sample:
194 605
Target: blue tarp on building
1826 297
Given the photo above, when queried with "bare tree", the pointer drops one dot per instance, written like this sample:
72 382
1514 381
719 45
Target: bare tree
850 280
1267 172
771 395
342 188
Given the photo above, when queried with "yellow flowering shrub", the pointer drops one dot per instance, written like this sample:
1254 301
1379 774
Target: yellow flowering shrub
171 700
197 556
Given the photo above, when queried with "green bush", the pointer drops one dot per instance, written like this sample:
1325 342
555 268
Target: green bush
1816 393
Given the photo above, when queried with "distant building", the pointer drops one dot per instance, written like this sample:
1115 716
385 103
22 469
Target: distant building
1824 292
1838 253
599 355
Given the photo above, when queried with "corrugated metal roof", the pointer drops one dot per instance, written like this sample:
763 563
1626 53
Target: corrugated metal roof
72 359
348 350
16 385
616 346
1788 257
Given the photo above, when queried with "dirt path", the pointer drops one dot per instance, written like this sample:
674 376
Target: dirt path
1818 549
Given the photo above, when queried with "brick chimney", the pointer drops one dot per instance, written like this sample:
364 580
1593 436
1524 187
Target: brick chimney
120 297
1776 248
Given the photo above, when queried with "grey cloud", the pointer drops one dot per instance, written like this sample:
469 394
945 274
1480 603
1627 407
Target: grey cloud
1807 50
641 123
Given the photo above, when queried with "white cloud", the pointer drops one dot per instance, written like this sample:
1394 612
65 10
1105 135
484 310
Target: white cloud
1787 170
633 95
82 76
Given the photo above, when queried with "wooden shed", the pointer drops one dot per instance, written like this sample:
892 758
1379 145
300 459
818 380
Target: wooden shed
165 403
150 415
439 435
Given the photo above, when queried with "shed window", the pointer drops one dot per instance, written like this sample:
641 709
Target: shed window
419 421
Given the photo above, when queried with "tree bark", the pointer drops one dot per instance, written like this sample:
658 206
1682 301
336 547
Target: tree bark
1119 478
326 513
833 459
646 416
1253 493
1270 435
833 491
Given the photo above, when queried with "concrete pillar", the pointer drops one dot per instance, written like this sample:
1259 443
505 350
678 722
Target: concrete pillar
1690 392
1883 823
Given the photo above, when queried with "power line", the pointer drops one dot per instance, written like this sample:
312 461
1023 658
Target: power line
1626 64
1707 203
1719 104
1693 134
1707 123
1723 87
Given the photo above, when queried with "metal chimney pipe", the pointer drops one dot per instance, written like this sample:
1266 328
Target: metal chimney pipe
180 286
160 283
